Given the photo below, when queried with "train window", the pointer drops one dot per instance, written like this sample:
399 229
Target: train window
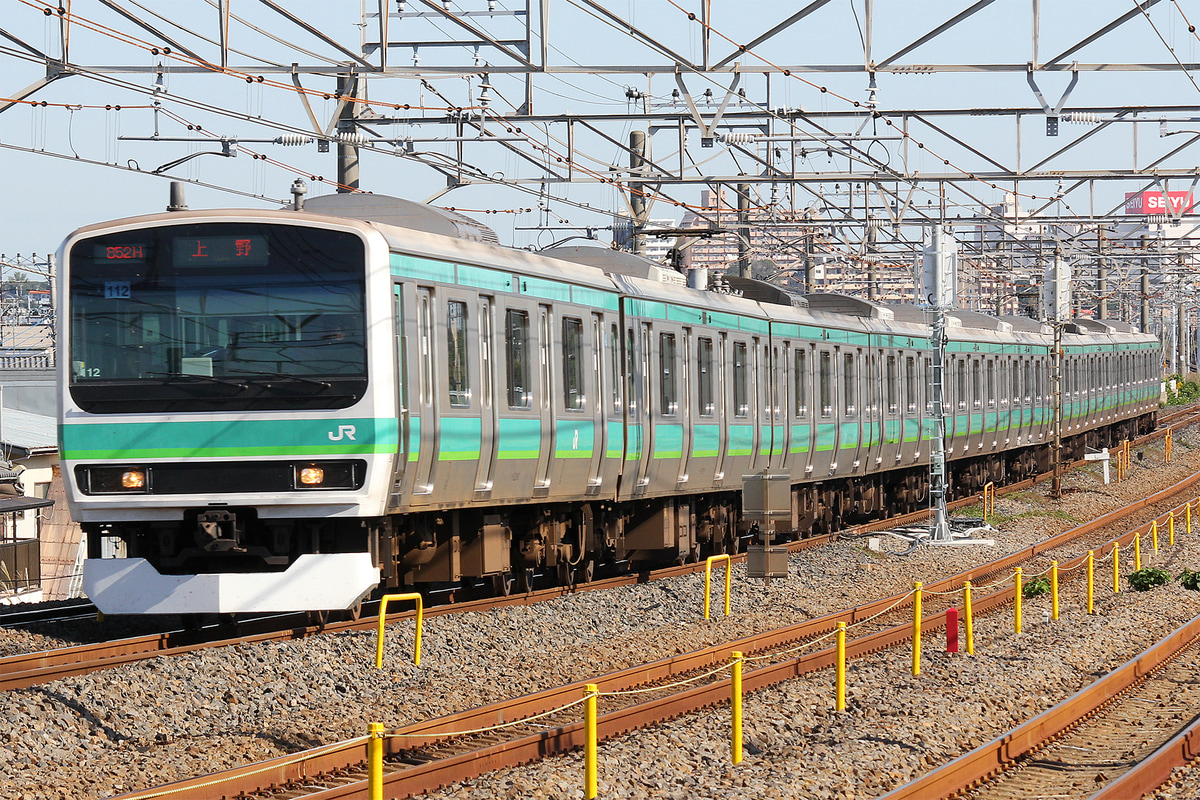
1015 366
990 384
614 366
517 347
976 385
848 385
893 402
456 354
666 363
572 342
741 386
800 382
1028 382
704 376
826 384
910 384
962 382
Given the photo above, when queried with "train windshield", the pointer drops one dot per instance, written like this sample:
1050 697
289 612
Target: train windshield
217 316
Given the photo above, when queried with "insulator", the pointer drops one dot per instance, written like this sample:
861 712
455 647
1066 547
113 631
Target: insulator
739 138
293 139
1082 117
352 138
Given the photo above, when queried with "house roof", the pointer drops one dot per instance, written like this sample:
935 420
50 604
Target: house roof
32 433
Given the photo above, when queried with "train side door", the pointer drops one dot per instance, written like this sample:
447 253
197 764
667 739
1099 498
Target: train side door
594 404
423 401
684 406
487 400
402 421
721 406
541 486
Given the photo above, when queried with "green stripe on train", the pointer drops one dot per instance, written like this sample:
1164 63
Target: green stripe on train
228 438
459 438
518 439
574 438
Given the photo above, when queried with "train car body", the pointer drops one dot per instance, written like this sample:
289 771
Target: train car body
286 410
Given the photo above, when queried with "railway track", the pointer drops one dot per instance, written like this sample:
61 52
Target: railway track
32 669
1113 740
15 616
424 756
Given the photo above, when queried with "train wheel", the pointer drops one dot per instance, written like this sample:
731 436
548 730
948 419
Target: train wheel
566 575
526 577
588 571
352 614
502 584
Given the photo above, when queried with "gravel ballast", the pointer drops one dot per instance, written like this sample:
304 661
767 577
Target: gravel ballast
179 716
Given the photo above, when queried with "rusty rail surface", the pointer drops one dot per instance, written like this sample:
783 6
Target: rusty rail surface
418 770
969 770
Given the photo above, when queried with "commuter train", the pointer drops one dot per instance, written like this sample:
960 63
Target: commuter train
290 410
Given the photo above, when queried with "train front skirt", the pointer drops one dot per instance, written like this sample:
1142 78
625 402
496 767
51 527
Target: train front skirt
314 581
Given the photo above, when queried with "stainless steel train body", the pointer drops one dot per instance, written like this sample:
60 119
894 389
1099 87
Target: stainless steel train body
286 410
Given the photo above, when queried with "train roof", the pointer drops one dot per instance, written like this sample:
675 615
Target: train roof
401 213
615 262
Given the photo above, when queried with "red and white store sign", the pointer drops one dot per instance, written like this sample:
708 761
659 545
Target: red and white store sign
1155 203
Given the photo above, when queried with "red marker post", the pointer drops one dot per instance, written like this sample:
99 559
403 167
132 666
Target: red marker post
952 630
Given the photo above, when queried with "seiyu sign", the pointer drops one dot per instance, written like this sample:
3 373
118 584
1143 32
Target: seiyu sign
1155 203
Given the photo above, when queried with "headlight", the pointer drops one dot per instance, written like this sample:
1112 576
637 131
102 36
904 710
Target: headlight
133 479
329 475
113 480
312 476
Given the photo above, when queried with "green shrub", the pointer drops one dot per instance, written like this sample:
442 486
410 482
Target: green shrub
1147 578
1190 580
1038 586
1185 391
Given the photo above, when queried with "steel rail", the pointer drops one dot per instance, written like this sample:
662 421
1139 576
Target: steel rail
969 770
431 773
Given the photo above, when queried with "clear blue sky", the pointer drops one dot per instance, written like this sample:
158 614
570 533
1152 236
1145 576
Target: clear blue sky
45 198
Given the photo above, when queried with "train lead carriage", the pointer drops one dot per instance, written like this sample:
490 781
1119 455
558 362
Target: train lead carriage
287 410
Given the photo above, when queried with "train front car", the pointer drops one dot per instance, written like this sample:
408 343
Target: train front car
226 429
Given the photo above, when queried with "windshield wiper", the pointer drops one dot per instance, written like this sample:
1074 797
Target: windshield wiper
171 376
283 376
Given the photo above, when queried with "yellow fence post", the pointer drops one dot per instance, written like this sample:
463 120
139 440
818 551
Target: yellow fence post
840 695
375 760
1116 551
383 604
736 705
1167 454
1091 581
590 693
1154 535
1018 597
1171 528
916 634
1188 527
968 618
1054 590
708 563
989 499
1137 551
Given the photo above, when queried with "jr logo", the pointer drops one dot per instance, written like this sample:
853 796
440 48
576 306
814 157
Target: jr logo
343 432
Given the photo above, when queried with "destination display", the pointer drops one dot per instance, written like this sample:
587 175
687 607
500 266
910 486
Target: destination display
199 251
128 253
